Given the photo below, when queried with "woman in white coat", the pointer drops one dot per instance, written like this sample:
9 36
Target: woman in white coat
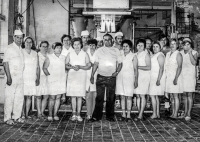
77 62
189 75
31 74
144 67
42 90
173 67
127 79
157 82
54 69
91 88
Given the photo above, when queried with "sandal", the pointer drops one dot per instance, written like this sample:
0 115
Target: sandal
10 122
19 120
79 118
56 118
187 118
50 118
73 118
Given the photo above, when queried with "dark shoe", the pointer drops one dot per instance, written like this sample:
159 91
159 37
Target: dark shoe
122 118
167 113
110 119
91 120
128 119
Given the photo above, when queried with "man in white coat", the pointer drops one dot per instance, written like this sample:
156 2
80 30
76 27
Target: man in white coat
117 44
14 65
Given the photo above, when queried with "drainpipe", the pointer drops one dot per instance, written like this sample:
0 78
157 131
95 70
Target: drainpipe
20 6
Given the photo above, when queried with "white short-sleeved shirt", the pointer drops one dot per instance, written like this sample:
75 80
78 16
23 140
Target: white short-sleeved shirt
14 56
107 57
65 51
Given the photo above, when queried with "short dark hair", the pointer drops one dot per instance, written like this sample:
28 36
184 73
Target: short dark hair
180 38
33 43
108 35
77 39
141 41
64 36
92 41
191 43
56 44
44 42
129 42
157 43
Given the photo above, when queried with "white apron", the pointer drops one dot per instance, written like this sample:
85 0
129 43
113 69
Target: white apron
171 66
188 73
29 74
143 76
153 88
42 88
126 77
76 82
56 79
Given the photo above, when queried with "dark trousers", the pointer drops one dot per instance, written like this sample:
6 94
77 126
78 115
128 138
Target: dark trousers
109 83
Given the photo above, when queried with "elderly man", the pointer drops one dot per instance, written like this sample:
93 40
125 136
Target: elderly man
109 64
14 65
85 35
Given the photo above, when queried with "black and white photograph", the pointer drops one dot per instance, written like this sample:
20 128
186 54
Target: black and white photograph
99 70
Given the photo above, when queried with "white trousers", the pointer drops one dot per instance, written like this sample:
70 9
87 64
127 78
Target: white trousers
14 98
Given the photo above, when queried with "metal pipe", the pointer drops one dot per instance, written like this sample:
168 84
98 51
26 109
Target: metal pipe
106 12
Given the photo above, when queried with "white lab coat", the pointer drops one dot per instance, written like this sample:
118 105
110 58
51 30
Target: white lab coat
14 94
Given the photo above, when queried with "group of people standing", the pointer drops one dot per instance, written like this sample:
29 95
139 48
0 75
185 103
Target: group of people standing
97 70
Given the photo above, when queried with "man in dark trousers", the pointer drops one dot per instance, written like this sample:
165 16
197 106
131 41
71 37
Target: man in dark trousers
109 63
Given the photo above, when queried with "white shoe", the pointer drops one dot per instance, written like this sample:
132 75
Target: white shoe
79 118
73 118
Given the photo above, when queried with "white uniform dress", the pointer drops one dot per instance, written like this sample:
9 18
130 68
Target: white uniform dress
65 52
125 78
143 76
171 66
56 79
188 72
153 88
29 74
42 88
88 83
14 94
76 82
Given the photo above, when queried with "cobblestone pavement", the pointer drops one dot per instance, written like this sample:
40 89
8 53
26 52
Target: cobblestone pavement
163 130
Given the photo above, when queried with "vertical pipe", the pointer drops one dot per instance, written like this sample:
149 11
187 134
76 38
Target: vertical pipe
0 6
69 9
20 6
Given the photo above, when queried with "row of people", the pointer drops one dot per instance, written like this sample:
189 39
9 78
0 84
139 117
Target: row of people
120 71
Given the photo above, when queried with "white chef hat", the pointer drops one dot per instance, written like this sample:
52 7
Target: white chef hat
99 38
118 34
85 33
18 32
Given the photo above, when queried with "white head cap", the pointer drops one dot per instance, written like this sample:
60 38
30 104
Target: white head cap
18 32
187 39
99 38
118 34
85 33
